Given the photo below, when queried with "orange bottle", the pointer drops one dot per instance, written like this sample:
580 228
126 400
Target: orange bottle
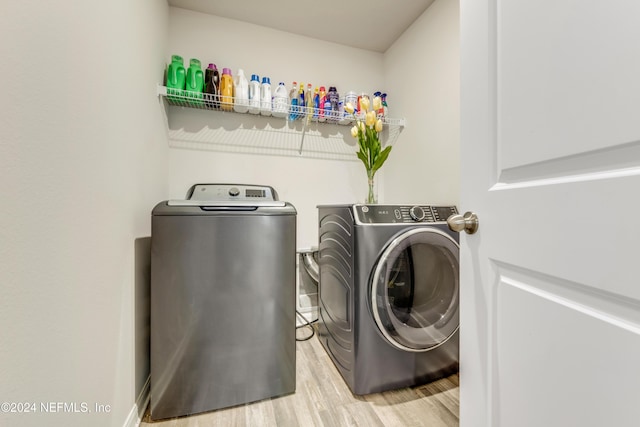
226 90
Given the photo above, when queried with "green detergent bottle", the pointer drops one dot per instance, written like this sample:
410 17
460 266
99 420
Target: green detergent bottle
195 83
176 78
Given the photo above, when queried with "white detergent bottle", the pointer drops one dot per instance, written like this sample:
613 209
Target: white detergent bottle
265 97
241 93
280 101
254 94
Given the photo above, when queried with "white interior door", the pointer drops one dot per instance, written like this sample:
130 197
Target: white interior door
550 142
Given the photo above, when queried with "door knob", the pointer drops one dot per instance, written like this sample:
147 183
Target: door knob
468 222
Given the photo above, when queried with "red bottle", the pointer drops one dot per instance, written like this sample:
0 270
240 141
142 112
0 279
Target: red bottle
323 99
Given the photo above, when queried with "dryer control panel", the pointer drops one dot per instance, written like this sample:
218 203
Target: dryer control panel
394 214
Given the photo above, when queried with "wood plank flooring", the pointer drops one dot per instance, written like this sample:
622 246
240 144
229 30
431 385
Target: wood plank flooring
322 399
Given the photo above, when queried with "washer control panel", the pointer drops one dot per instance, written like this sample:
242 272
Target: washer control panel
393 214
231 192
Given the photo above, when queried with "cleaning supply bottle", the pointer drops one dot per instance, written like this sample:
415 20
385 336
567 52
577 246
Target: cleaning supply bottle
308 97
361 97
385 109
280 101
195 82
352 97
226 90
327 110
301 101
254 94
212 87
322 101
343 118
379 111
334 98
316 104
176 78
241 93
293 100
265 97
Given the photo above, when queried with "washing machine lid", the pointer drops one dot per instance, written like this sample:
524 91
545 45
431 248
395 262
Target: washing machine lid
415 289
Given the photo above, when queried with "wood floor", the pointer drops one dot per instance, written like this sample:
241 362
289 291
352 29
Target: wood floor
322 399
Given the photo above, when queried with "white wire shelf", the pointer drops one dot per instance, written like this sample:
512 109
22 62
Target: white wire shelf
288 132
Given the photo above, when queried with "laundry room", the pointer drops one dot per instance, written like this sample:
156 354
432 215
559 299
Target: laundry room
97 144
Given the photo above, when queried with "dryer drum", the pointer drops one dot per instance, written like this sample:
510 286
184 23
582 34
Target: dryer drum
415 290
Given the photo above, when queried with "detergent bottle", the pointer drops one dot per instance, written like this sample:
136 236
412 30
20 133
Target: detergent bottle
241 93
176 77
280 101
226 90
212 87
254 94
195 83
265 97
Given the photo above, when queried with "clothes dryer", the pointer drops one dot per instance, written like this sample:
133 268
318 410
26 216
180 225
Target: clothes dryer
388 294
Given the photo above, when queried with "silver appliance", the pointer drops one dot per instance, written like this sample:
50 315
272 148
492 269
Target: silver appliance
223 286
388 294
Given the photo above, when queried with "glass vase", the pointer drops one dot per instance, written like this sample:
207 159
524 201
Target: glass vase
372 195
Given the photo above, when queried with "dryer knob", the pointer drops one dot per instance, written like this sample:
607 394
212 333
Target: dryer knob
233 191
417 213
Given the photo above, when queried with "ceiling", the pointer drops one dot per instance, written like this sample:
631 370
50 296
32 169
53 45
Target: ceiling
366 24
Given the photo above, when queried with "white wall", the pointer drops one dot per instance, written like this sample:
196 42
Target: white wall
421 72
83 160
283 57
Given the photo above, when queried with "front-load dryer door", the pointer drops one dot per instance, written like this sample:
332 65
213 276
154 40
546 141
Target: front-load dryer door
415 289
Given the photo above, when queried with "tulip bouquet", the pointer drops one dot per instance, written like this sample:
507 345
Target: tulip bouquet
367 129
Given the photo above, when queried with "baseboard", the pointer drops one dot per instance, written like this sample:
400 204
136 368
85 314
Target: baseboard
137 412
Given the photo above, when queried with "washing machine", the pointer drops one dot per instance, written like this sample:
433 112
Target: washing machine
223 284
388 294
